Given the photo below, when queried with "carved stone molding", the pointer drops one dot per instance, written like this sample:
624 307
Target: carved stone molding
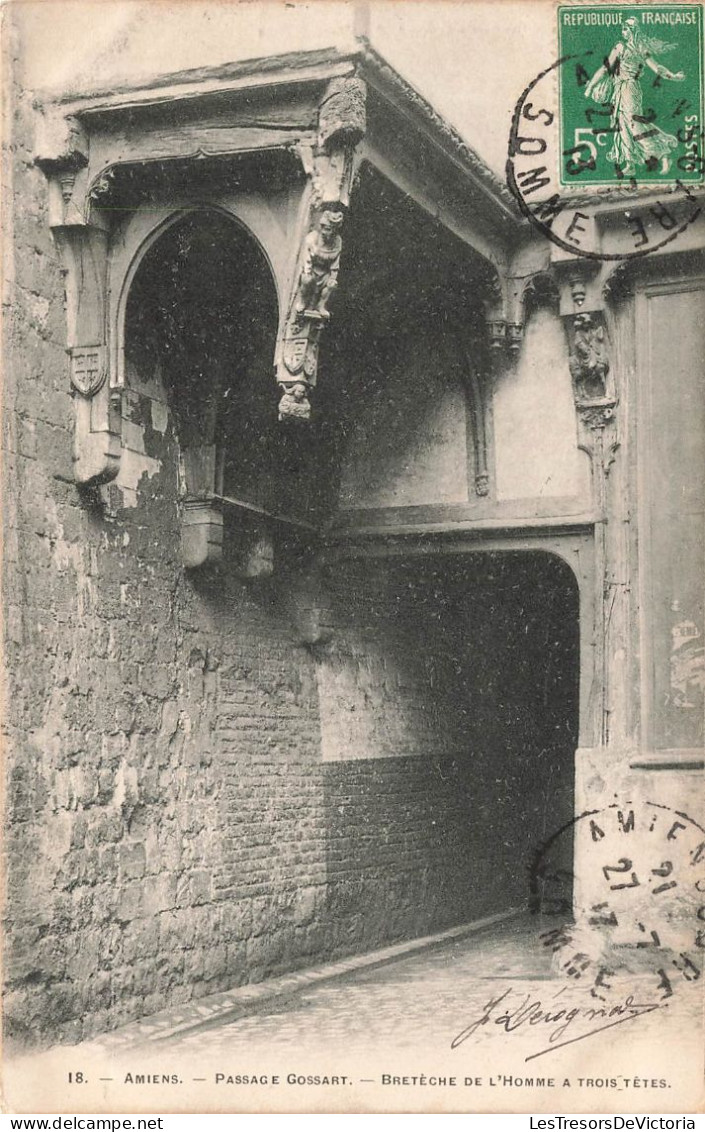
597 414
515 334
482 483
509 303
500 310
61 152
477 399
341 126
539 291
497 332
97 410
578 286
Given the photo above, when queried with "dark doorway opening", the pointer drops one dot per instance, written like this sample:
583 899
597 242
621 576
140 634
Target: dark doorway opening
449 700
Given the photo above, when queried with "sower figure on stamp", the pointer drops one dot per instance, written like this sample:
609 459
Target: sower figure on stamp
637 141
319 275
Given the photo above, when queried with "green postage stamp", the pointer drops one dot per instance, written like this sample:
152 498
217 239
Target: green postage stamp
631 93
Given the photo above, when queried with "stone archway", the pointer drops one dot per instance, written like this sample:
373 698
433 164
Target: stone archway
200 323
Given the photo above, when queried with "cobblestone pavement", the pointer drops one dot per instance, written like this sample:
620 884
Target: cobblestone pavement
421 999
382 1037
425 1001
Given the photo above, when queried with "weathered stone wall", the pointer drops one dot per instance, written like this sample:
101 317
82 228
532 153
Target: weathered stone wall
119 879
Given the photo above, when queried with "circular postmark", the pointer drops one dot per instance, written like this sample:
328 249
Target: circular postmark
637 892
606 144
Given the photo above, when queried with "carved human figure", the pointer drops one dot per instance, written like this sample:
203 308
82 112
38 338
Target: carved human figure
588 361
319 274
295 402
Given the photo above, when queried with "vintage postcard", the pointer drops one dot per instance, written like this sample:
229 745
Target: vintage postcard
353 499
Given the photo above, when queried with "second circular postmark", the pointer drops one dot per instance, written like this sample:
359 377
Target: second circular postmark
633 904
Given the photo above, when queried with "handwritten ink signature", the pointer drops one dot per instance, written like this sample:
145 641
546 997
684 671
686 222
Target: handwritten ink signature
530 1011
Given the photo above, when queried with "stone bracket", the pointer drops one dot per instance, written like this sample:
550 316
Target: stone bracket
62 155
330 168
577 287
97 408
201 532
251 549
61 152
202 516
202 526
504 315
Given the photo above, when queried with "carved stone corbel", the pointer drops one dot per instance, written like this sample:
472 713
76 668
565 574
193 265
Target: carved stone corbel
341 125
515 335
494 302
520 296
582 311
62 154
578 287
97 410
251 541
497 333
504 316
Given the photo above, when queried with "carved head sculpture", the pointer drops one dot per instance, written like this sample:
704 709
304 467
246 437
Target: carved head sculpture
329 223
294 404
